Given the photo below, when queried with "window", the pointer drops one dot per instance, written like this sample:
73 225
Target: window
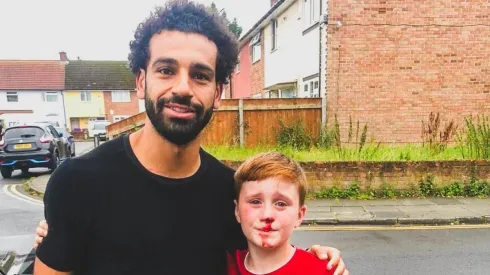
118 118
12 97
51 97
306 87
120 96
256 48
311 12
316 84
274 33
86 96
53 131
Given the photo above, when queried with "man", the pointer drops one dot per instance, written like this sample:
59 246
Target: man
154 202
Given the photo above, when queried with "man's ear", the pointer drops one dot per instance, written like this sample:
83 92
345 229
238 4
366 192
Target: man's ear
236 211
217 95
301 216
141 84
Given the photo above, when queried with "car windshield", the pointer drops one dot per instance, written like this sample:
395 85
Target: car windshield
62 131
99 127
24 132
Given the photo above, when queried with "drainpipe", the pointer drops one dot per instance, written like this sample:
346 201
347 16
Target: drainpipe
320 51
64 107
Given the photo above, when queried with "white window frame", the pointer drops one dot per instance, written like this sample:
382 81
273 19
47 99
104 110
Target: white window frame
275 33
12 95
311 12
52 95
256 48
120 96
85 96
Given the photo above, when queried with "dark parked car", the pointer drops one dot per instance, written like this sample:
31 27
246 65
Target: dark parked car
29 146
69 140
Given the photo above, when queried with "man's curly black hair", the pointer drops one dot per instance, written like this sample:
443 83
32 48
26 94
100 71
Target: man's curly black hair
188 17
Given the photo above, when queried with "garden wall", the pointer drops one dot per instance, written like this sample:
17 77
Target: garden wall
400 175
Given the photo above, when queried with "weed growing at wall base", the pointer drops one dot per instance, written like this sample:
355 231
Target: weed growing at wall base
426 188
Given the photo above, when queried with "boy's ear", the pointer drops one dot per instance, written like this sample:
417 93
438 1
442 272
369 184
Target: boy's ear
301 216
236 211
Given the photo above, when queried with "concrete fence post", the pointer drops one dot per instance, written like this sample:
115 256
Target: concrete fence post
324 112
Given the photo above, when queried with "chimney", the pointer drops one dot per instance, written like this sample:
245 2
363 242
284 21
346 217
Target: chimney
63 57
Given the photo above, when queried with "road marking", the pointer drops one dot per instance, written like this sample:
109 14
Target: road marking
10 190
391 228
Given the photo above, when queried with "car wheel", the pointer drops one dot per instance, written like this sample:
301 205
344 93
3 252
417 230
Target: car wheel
6 172
25 170
55 161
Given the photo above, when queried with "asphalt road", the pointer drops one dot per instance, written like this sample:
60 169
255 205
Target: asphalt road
435 252
18 219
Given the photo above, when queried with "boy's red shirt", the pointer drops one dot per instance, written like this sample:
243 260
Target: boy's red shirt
301 263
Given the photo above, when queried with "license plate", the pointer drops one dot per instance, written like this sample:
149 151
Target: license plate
23 146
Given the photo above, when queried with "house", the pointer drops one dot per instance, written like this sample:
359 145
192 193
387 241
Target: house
282 55
99 90
391 63
31 91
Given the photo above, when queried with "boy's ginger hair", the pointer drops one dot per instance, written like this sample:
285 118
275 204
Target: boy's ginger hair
271 165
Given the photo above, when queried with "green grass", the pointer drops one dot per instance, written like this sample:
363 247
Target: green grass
384 153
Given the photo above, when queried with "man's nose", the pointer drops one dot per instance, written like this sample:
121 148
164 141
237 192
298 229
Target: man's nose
182 86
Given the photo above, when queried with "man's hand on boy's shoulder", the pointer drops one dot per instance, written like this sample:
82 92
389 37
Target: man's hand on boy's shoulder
333 256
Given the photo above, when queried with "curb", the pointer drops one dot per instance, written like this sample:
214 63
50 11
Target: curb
33 187
399 221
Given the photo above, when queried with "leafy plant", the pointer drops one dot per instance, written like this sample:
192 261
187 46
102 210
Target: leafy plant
294 135
474 141
427 186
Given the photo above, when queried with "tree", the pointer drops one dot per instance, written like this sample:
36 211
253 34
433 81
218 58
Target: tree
233 26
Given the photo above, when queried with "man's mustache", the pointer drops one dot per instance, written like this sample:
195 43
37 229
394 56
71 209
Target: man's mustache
176 99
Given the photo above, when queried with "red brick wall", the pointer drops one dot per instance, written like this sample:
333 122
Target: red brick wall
120 108
242 80
391 63
258 71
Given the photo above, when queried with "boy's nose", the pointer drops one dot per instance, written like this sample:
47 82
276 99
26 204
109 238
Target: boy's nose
268 215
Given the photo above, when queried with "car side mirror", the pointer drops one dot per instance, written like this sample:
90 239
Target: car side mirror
61 134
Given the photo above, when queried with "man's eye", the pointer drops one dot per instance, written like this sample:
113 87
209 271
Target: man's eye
165 71
200 76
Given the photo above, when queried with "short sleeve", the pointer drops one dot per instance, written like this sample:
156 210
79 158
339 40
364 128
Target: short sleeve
65 210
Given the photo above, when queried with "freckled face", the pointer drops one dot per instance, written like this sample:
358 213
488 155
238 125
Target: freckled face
268 211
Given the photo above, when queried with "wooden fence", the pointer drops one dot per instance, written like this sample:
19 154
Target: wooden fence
247 122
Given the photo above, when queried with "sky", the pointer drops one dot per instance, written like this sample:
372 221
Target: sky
90 29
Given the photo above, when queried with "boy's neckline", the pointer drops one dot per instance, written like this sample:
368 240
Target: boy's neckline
269 272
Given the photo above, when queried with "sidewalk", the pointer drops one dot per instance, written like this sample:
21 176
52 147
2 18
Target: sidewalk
431 211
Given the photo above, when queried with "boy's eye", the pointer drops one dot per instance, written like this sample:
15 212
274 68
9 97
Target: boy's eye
281 204
255 202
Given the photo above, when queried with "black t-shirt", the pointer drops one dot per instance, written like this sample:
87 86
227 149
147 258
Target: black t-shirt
107 214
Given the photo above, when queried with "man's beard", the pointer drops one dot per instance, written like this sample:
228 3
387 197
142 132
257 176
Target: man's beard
177 131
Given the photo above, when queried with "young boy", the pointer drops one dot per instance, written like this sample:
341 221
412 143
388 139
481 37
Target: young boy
270 204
